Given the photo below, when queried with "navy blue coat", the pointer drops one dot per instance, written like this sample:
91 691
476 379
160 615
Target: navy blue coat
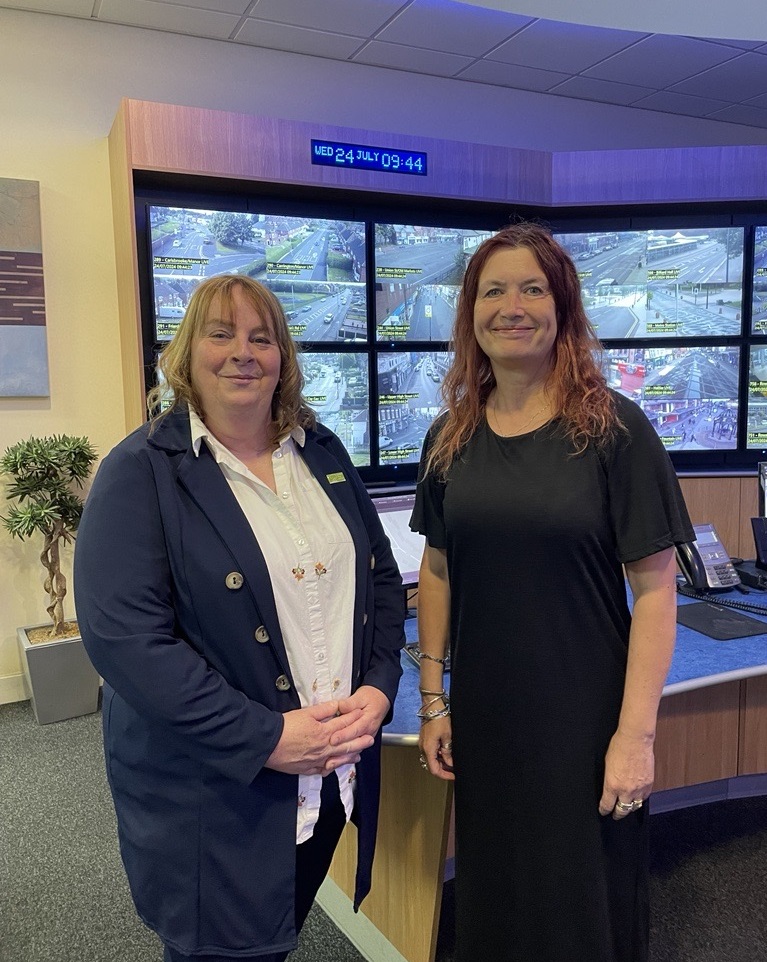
192 708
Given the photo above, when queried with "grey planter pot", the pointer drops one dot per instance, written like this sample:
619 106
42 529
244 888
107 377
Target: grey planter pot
58 676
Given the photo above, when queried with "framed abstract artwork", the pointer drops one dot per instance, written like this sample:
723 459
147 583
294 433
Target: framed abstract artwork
23 344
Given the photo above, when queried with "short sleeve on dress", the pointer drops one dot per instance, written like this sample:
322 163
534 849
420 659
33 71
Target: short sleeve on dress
428 516
647 509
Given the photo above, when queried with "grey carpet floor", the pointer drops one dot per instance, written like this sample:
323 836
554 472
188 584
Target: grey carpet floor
64 898
63 894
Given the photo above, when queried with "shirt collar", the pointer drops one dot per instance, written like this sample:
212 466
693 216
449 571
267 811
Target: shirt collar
200 432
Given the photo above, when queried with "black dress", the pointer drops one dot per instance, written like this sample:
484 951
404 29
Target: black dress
535 538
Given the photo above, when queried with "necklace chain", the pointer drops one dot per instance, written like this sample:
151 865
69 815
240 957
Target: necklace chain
519 430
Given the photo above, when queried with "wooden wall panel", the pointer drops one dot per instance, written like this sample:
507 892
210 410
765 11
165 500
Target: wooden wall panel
753 727
716 500
406 897
217 143
697 737
121 175
193 140
749 493
672 174
728 503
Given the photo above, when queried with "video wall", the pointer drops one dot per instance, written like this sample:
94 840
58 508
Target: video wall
681 312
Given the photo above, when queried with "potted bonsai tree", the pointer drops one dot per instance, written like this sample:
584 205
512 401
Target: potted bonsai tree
45 477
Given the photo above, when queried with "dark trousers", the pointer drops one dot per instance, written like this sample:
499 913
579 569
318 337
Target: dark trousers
313 858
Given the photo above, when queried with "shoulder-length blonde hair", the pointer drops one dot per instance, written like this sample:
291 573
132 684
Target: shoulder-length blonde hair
289 409
581 398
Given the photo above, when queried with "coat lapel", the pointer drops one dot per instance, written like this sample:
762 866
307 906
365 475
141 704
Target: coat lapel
205 483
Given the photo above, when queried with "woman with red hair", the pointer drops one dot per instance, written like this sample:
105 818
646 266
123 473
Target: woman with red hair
539 487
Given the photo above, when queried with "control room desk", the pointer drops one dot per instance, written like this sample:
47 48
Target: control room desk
711 744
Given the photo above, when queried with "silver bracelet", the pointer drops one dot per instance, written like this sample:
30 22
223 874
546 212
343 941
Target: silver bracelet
437 713
432 701
425 715
422 654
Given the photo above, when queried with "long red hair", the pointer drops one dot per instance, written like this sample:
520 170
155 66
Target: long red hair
582 401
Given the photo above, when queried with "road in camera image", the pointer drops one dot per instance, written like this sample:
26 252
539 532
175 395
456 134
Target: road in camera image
689 394
682 283
418 273
336 388
409 398
315 267
326 312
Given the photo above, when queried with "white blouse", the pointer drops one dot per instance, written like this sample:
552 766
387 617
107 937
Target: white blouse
310 556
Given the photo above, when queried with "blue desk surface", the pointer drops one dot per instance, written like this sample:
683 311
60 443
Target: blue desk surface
698 661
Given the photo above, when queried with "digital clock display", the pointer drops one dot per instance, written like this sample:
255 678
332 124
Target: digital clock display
330 153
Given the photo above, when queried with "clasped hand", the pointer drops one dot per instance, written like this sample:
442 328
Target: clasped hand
320 738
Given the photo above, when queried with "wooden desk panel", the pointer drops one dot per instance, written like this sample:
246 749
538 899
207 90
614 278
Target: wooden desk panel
406 898
753 727
697 737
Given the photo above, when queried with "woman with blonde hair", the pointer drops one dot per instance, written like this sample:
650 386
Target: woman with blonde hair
538 486
236 591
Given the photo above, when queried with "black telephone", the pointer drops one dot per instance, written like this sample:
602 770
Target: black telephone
708 570
705 563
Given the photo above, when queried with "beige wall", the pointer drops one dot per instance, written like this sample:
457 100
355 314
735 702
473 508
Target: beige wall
81 308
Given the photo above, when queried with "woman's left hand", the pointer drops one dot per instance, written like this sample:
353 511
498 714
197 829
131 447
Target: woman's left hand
629 775
374 706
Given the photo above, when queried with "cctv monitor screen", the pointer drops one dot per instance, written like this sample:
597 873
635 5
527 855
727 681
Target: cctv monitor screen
336 387
660 283
409 399
759 308
689 394
418 274
315 266
756 431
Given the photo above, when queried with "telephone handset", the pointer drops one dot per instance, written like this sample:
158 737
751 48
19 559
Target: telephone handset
705 563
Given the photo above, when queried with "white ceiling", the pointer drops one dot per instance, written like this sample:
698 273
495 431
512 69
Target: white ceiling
481 42
745 20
